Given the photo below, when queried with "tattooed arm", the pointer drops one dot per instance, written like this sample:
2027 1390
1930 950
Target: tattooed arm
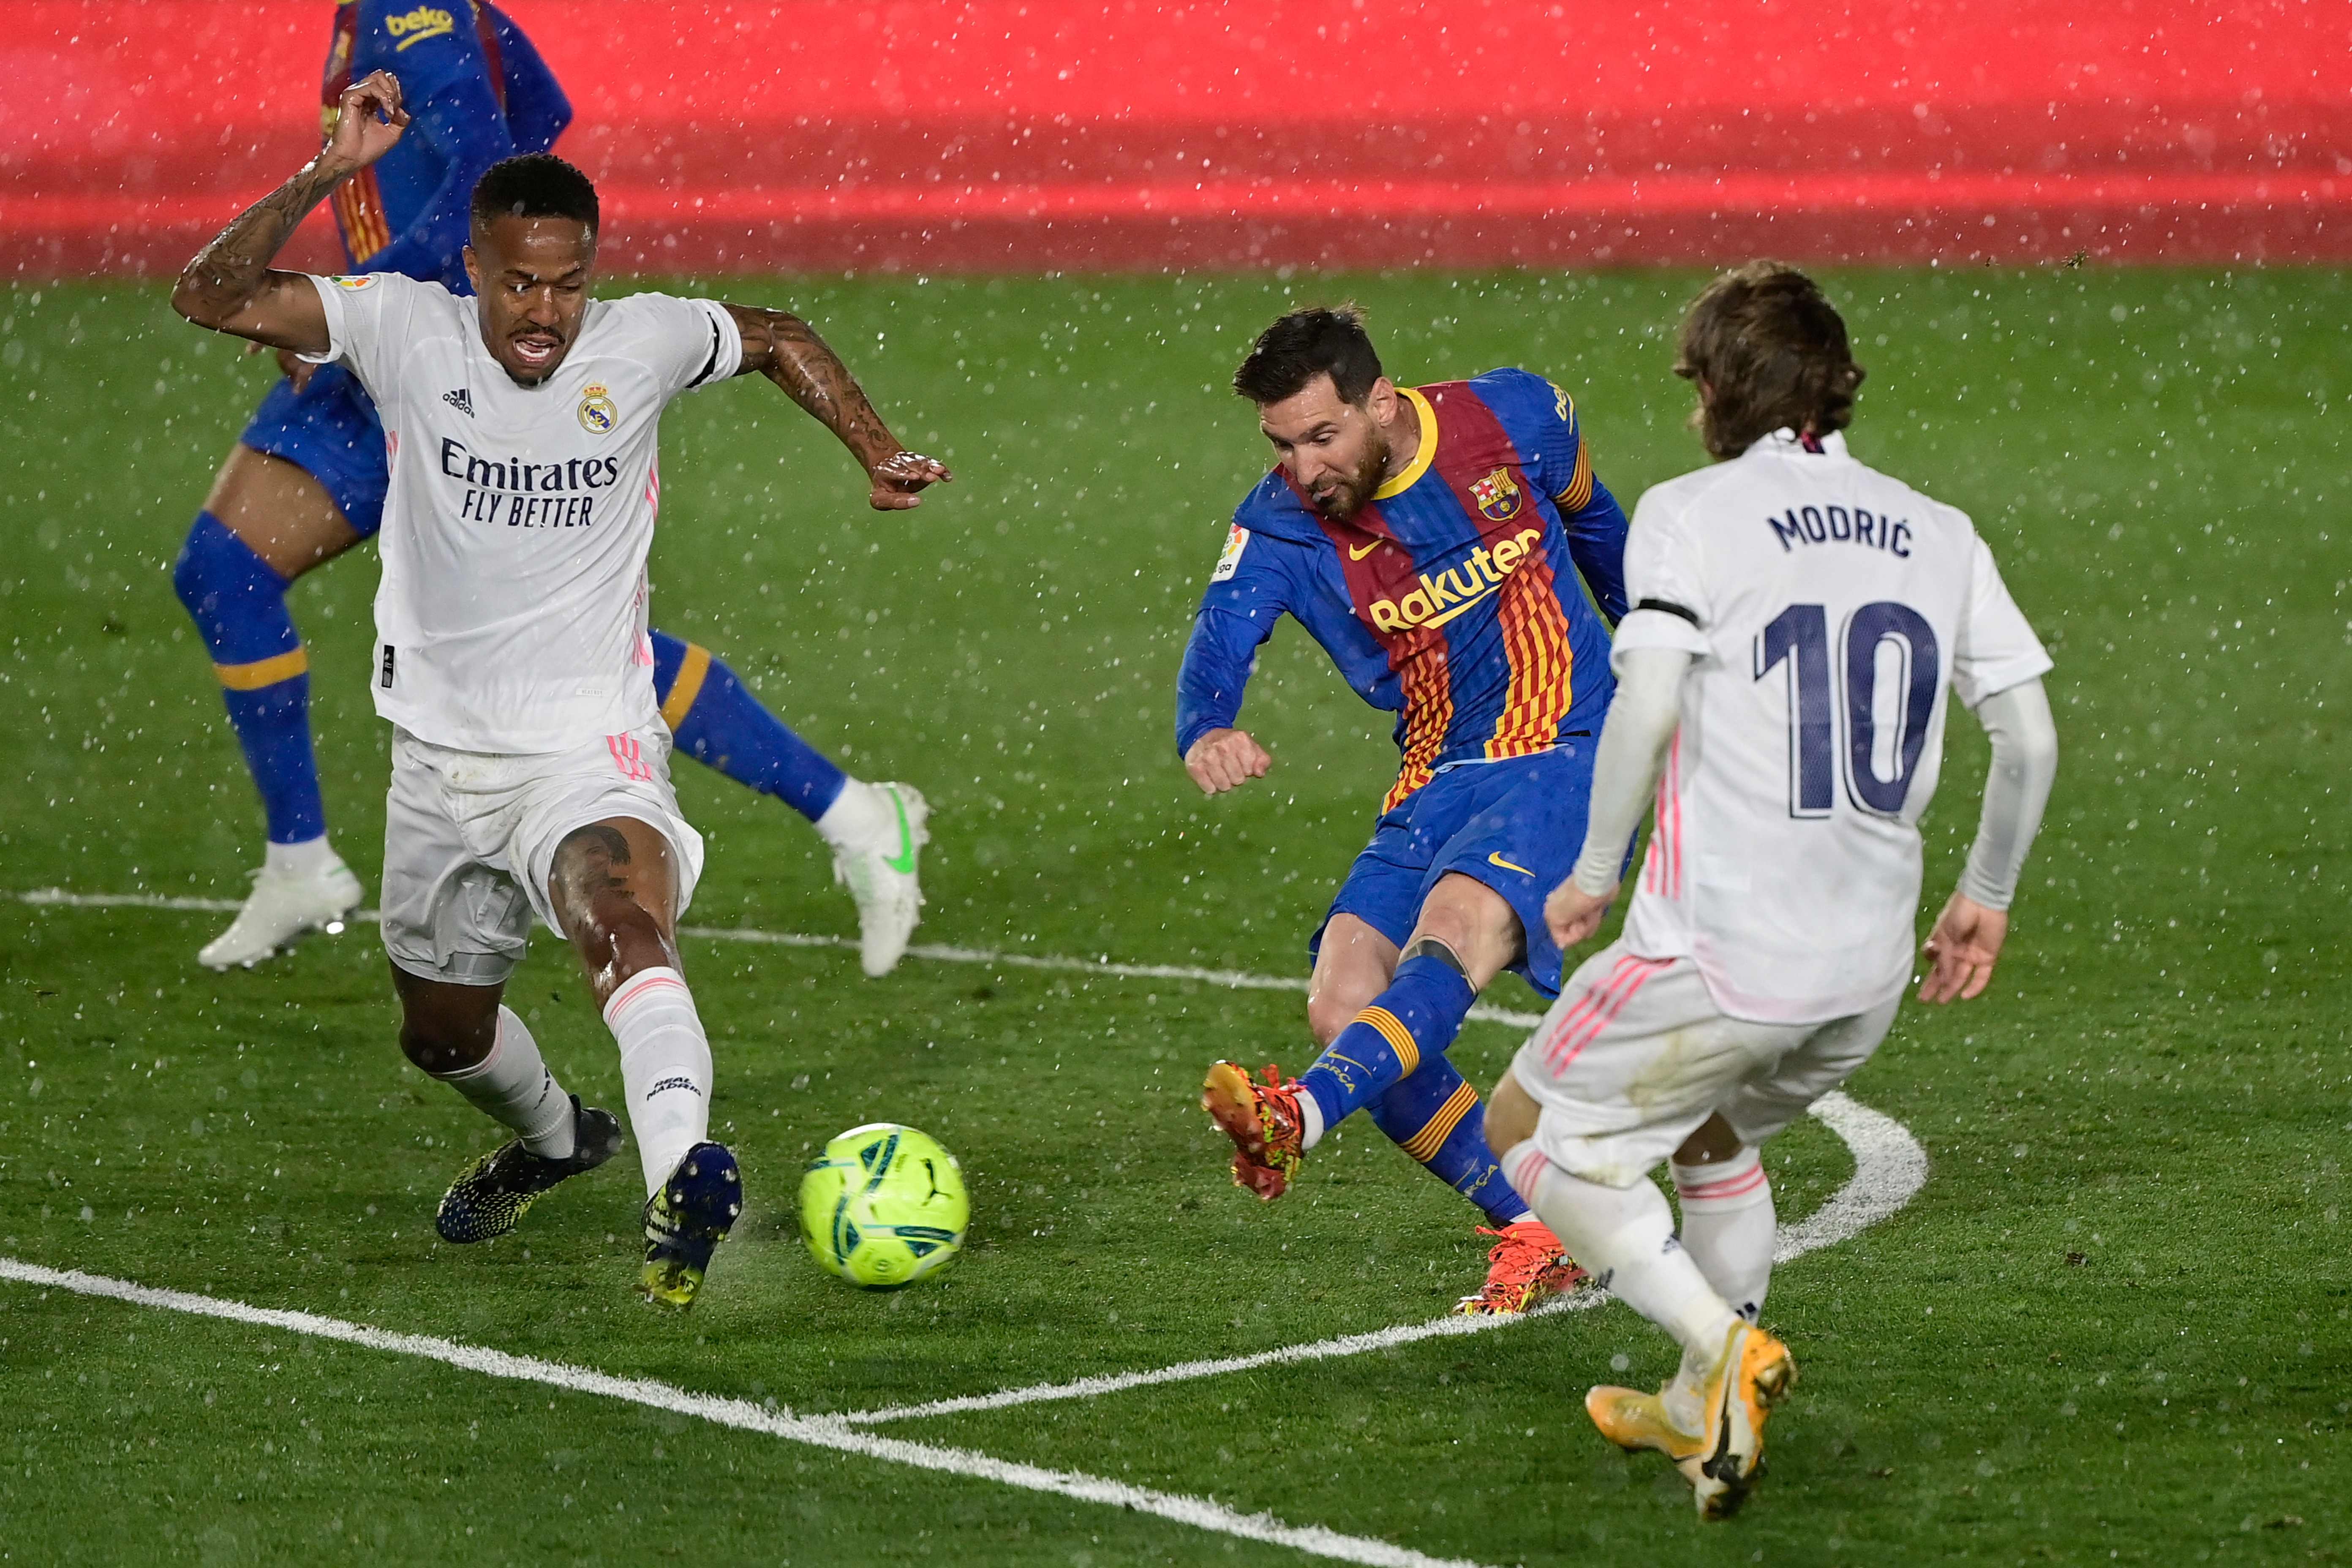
787 351
230 286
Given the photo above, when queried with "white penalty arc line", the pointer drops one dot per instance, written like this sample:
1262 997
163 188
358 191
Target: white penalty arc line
935 952
1889 1169
820 1432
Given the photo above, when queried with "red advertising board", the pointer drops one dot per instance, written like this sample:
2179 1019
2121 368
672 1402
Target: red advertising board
1026 134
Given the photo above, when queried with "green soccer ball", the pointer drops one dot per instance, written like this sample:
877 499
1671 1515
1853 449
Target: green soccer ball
884 1206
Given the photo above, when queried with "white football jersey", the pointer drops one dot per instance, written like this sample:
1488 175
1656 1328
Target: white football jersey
511 614
1830 608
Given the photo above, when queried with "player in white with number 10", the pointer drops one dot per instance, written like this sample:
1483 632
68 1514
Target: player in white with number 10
530 760
1798 618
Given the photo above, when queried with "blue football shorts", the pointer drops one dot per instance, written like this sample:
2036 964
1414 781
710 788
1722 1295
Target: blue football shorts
330 430
1516 826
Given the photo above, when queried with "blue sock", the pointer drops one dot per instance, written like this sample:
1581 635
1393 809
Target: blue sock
239 603
1439 1120
722 726
1411 1022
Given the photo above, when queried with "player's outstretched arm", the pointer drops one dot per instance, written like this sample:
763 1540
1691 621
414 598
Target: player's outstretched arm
230 286
1967 940
1642 718
787 351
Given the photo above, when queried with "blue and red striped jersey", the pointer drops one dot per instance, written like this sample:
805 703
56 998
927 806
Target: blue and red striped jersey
1452 598
477 92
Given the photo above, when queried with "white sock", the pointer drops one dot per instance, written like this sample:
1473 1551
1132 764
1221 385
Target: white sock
665 1067
1625 1238
512 1087
1727 1226
1310 1121
306 858
858 813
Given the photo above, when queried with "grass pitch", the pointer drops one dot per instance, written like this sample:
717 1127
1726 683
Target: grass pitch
2115 1325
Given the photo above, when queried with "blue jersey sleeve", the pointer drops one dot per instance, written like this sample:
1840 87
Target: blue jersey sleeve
1249 591
1596 542
462 125
1541 420
537 110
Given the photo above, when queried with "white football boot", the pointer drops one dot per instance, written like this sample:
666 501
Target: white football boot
282 906
877 867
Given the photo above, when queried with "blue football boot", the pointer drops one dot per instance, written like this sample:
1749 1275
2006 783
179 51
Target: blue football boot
688 1217
491 1194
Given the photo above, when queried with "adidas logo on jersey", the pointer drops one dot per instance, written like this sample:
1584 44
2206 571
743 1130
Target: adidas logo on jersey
462 400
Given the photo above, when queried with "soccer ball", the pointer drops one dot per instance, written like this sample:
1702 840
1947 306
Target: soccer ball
884 1206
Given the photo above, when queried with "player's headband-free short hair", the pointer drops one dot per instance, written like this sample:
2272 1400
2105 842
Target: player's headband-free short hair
536 185
1306 344
1773 353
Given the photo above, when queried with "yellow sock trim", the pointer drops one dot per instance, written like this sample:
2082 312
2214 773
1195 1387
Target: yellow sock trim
1425 1144
691 671
264 672
1399 1037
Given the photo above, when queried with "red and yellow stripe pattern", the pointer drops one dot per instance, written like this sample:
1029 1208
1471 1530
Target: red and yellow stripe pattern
1429 712
1543 664
358 213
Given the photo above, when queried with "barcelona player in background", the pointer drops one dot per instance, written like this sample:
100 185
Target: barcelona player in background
1432 540
306 482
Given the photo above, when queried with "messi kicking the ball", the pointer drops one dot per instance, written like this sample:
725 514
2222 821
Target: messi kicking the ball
306 483
530 761
1432 540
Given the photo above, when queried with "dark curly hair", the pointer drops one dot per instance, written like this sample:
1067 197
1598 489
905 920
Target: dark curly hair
536 185
1772 354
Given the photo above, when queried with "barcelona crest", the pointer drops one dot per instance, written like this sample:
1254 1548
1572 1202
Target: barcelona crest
1497 495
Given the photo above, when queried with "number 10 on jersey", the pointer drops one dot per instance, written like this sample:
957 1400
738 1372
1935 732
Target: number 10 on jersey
1877 777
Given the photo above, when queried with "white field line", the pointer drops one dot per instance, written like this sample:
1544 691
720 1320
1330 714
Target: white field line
820 1432
1889 1168
936 952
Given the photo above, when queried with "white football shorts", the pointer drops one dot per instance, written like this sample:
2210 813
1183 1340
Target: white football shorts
469 841
1634 1056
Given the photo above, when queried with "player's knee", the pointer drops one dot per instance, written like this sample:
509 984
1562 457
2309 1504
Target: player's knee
1327 1015
1712 1143
216 570
195 575
1472 920
1332 1008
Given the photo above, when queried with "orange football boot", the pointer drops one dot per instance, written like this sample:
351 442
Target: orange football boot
1263 1121
1637 1422
1526 1264
1755 1375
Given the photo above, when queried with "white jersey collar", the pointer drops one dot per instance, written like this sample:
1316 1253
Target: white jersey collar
1785 442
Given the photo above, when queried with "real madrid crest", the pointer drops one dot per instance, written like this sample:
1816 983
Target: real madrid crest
597 414
1497 496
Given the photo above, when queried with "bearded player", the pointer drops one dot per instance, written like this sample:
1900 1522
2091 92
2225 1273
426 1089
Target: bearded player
1432 538
1801 618
529 759
306 482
